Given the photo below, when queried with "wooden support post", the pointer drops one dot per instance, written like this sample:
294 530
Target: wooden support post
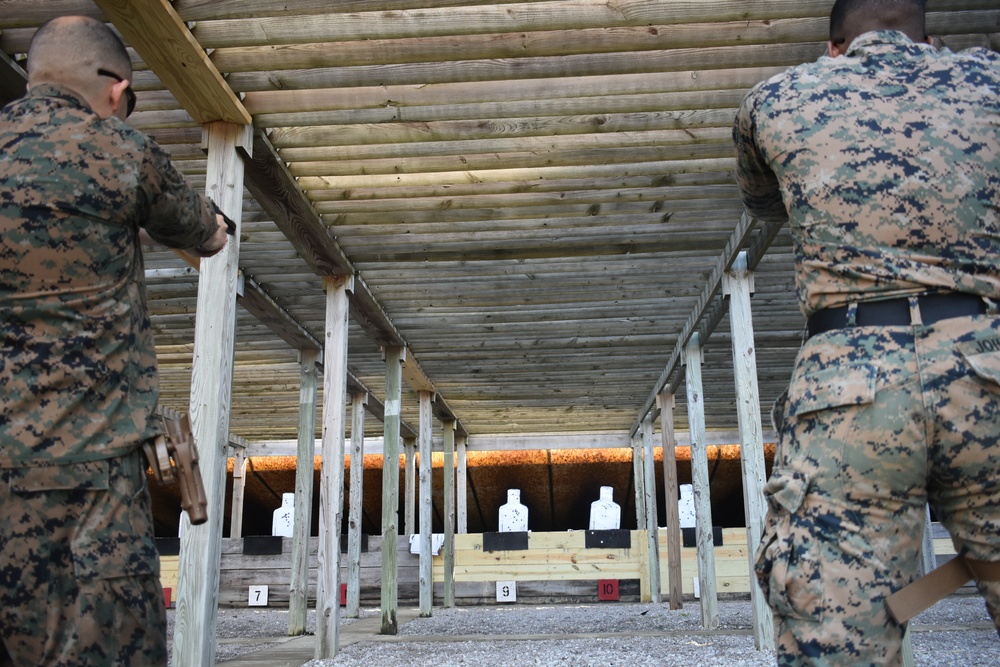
738 285
211 391
462 487
649 487
390 486
642 549
638 476
448 437
331 488
239 491
358 402
702 491
670 497
410 486
426 510
298 593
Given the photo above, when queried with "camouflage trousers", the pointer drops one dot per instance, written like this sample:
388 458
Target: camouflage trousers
79 572
878 422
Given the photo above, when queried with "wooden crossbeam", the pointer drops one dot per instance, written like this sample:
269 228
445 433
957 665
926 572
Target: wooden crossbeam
158 34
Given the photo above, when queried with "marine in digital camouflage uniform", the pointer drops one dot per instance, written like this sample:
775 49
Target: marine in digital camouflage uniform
79 571
885 158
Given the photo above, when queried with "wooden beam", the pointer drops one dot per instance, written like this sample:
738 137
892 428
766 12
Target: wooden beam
444 413
738 286
415 377
620 440
376 408
503 443
298 593
158 34
331 501
258 303
270 182
211 392
702 489
737 240
390 488
368 313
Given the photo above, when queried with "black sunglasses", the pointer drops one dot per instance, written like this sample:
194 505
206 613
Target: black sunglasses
129 93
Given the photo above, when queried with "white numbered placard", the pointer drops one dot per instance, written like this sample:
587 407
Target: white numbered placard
506 591
258 596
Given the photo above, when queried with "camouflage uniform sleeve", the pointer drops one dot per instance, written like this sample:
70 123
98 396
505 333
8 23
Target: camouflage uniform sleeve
988 56
757 182
175 214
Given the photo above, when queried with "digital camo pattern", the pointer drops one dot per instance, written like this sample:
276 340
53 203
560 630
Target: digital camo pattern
79 572
879 421
887 163
77 362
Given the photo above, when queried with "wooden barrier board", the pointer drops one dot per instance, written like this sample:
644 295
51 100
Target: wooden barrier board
550 556
556 567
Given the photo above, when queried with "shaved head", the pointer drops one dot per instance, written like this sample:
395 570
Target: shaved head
850 18
70 49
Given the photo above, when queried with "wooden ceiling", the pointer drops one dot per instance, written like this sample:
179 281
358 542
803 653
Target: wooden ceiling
535 198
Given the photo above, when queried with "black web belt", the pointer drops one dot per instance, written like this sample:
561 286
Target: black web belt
896 312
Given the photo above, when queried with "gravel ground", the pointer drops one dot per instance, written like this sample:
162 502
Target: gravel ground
956 631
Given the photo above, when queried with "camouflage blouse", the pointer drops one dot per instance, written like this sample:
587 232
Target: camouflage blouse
77 363
886 161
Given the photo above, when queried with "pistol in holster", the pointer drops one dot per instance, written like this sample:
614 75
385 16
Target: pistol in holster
174 456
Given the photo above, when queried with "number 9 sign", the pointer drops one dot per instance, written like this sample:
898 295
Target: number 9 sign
506 591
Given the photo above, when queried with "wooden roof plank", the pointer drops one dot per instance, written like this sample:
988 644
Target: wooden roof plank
464 92
199 10
493 18
656 111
